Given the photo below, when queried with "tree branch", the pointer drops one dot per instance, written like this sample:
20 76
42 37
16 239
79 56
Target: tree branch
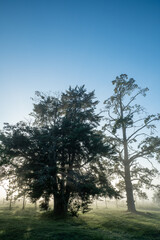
145 125
132 99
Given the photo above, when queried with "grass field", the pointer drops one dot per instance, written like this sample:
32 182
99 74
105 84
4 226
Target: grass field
98 224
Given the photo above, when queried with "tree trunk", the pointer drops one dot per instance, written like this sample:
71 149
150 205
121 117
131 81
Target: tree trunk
10 203
60 206
35 205
24 201
128 182
116 203
106 202
129 190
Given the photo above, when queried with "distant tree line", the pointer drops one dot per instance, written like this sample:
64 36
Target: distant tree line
66 154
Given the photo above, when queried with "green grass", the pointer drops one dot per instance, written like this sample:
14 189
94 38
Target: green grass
99 224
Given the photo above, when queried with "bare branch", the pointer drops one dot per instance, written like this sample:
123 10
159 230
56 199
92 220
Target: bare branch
141 119
119 140
145 125
140 134
138 155
132 99
149 162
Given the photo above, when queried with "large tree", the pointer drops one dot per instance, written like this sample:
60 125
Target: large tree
62 155
130 128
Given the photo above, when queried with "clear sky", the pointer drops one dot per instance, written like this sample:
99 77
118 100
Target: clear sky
47 45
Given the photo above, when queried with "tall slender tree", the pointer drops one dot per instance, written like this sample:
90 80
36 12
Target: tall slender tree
130 128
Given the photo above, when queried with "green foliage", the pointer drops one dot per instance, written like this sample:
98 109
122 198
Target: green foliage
61 155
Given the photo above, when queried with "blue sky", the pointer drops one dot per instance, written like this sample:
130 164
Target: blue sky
48 45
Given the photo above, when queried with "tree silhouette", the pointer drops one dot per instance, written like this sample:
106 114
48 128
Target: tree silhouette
129 133
62 155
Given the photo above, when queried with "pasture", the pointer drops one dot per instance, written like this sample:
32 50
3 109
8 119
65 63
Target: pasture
98 224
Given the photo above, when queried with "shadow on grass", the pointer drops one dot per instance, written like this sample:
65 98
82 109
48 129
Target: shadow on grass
140 225
147 214
99 225
30 225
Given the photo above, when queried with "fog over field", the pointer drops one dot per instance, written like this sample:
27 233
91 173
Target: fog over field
80 120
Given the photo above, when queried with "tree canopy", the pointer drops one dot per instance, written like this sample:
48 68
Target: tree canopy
62 154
